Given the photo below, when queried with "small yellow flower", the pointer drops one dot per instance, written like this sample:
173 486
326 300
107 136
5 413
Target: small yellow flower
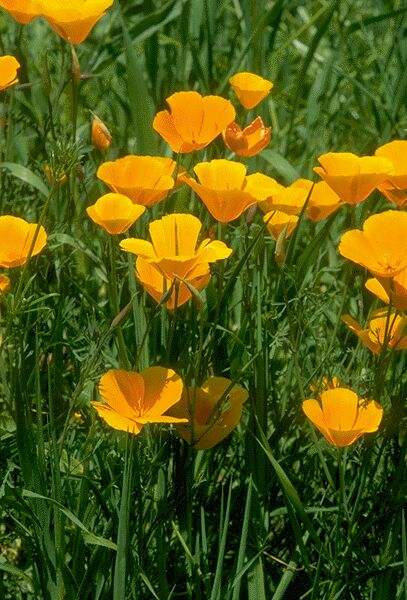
17 241
250 88
8 71
115 213
383 330
278 221
395 185
390 290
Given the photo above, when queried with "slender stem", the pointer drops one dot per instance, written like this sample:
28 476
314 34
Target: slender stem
115 305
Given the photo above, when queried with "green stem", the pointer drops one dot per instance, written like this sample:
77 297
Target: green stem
115 306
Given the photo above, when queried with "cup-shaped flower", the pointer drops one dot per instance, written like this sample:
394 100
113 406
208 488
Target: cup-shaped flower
248 141
250 88
116 213
23 11
213 411
19 240
175 291
221 186
342 417
101 136
353 177
193 121
381 247
174 249
4 284
8 71
322 200
395 185
384 330
130 399
263 188
145 179
277 222
390 290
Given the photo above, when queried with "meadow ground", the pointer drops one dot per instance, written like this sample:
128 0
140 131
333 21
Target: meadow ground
263 505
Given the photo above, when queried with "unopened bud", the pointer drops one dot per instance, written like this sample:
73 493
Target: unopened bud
101 136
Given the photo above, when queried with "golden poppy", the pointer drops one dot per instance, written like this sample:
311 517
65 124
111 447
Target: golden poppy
193 121
248 141
17 241
222 188
101 136
263 188
115 213
381 247
395 185
4 284
353 177
130 400
277 222
342 417
23 11
213 411
174 248
390 290
250 88
322 201
145 179
384 329
8 71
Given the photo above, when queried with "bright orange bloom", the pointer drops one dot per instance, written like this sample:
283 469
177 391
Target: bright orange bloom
101 136
8 71
212 411
193 121
130 400
390 290
174 248
395 185
16 241
145 179
382 245
4 284
278 221
342 417
23 11
353 177
322 202
115 213
383 330
222 188
251 89
263 188
248 141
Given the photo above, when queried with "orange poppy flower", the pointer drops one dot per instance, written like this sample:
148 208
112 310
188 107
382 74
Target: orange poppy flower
263 188
193 121
250 88
353 177
395 185
222 188
278 221
212 412
174 248
8 71
342 417
101 136
115 213
145 179
382 329
23 11
322 202
4 284
381 246
130 400
391 291
248 141
157 285
16 241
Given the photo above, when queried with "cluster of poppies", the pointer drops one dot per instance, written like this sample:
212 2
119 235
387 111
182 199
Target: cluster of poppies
175 262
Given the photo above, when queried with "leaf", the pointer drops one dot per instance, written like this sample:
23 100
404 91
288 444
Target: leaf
27 176
281 165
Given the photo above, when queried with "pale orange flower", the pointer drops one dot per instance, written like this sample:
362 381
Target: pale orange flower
322 202
381 246
130 400
248 141
342 417
115 213
395 185
353 177
8 71
16 241
101 136
4 284
212 413
390 290
222 187
193 121
250 88
145 179
383 329
263 188
278 221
